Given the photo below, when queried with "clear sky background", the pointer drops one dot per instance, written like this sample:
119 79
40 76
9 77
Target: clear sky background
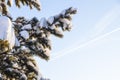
91 51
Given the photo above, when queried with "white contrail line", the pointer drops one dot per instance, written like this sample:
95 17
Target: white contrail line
83 45
106 20
100 26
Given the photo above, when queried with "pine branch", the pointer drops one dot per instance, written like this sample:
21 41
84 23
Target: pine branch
34 39
62 20
18 67
38 32
4 4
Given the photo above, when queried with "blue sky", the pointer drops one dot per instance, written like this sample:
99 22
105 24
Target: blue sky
91 50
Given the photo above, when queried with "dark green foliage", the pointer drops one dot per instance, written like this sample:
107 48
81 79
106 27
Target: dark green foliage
5 3
18 63
17 67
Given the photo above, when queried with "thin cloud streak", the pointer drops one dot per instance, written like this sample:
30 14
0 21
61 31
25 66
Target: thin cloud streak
106 20
83 45
100 26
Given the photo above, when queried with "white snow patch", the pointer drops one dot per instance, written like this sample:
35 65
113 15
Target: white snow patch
6 31
51 19
28 26
72 9
65 21
17 43
43 22
24 48
47 51
0 75
24 34
52 27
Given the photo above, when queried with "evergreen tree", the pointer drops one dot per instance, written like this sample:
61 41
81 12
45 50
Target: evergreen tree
28 38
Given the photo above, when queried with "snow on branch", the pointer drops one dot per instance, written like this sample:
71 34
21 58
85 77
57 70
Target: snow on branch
5 3
34 35
62 20
7 36
23 38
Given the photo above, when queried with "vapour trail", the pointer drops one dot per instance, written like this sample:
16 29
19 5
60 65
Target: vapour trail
83 45
104 22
